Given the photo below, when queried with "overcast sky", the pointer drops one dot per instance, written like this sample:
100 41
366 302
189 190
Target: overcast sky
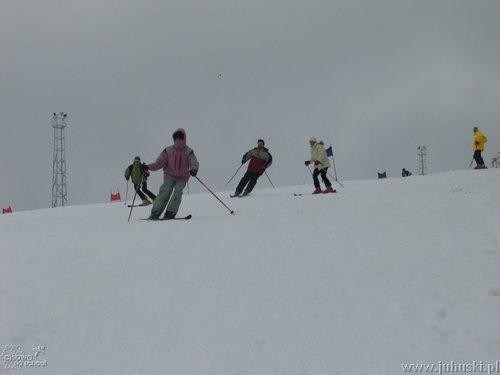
376 78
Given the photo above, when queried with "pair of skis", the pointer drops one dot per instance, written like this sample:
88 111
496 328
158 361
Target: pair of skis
243 195
188 217
300 194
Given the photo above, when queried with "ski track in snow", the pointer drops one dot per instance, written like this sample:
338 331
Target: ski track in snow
384 272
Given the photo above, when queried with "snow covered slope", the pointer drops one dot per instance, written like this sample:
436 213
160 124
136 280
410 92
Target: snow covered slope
385 272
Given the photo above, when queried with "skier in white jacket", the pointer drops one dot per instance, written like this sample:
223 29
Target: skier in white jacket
321 165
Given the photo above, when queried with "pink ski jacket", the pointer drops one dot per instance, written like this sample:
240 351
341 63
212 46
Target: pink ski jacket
176 160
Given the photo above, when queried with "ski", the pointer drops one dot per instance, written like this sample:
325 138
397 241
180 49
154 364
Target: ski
188 217
138 205
297 195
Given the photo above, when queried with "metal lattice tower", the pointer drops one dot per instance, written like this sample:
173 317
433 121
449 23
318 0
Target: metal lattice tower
422 160
495 161
59 188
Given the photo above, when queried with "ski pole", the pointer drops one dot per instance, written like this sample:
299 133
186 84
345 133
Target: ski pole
234 175
333 162
133 201
308 167
269 179
132 206
126 195
337 181
472 161
206 187
334 179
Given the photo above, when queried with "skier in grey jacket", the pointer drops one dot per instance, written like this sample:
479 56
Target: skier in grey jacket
260 159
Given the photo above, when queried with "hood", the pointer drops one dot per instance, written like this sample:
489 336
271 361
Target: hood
318 143
180 143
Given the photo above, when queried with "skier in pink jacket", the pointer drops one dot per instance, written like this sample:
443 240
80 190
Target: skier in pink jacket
179 163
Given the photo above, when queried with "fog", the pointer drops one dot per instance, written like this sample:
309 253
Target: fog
375 78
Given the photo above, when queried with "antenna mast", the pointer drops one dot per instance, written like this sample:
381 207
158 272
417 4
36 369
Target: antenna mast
59 188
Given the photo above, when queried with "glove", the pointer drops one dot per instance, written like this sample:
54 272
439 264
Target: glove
316 162
145 167
243 161
307 162
193 172
126 178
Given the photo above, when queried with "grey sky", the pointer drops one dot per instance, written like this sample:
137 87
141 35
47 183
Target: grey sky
377 78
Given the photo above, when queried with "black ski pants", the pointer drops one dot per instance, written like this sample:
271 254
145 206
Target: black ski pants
478 158
249 178
325 179
144 187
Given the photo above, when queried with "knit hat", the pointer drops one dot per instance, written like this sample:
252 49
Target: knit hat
137 158
313 140
261 140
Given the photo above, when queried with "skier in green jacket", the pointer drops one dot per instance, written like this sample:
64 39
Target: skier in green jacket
140 174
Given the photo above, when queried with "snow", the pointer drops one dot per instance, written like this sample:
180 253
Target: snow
385 272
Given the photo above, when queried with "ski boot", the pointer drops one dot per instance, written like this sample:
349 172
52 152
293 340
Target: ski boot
329 189
169 215
317 191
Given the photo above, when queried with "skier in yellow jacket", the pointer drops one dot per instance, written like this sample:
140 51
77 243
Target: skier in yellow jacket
478 144
321 165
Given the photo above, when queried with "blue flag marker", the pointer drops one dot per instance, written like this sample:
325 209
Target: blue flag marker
329 151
